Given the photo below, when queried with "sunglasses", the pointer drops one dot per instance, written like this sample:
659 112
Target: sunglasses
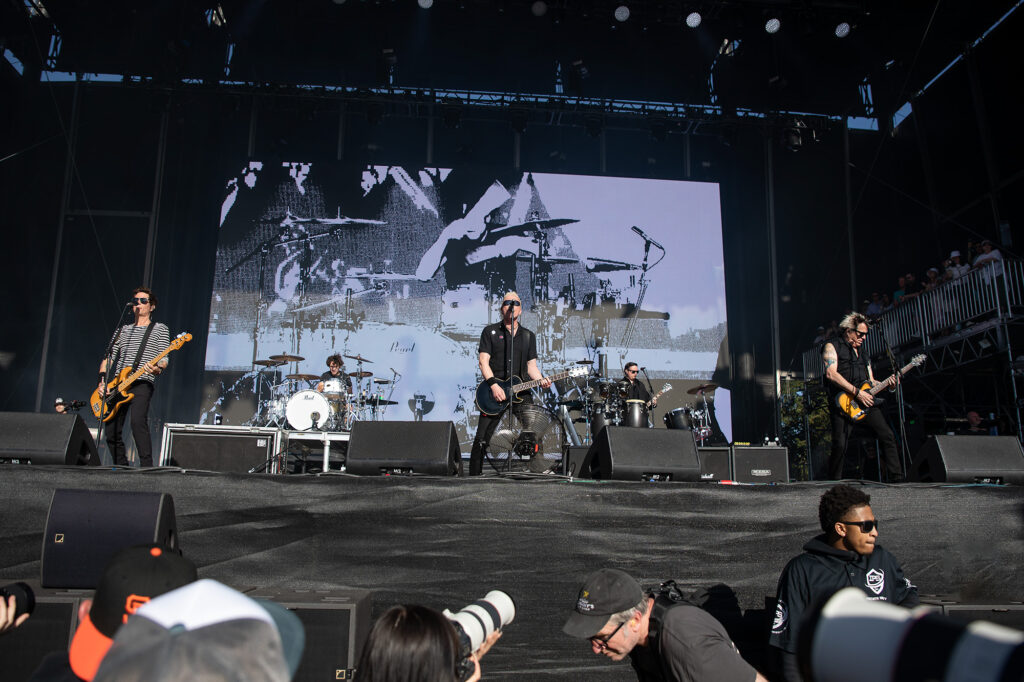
865 526
632 371
602 642
860 334
143 301
511 303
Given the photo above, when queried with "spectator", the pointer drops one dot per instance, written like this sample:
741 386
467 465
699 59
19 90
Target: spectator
819 335
974 426
988 254
133 577
955 266
874 308
901 290
912 287
933 279
886 303
206 631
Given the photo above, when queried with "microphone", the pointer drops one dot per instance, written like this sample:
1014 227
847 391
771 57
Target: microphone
644 235
643 369
129 304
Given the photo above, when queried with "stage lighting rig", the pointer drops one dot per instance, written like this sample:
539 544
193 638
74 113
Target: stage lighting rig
693 19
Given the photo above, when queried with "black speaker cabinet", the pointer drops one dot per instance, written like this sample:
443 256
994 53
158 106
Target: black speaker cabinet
633 454
715 463
232 449
969 459
760 464
50 438
336 624
85 528
575 463
377 448
49 629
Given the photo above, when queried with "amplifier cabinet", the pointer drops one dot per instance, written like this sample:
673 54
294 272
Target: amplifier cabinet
760 464
235 449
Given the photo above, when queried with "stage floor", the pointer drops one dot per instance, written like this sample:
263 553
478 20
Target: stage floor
444 542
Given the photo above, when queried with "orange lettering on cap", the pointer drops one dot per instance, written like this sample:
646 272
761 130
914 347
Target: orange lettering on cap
132 604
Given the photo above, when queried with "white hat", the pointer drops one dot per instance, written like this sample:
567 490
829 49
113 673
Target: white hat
954 254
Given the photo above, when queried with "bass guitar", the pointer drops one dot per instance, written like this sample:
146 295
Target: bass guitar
486 403
106 406
853 410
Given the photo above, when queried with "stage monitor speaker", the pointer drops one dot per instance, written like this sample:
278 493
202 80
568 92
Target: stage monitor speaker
715 463
231 449
85 528
575 463
336 624
49 629
760 464
626 453
51 438
377 448
969 459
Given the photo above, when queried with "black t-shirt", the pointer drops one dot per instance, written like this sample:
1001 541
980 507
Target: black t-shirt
495 339
327 376
850 365
635 391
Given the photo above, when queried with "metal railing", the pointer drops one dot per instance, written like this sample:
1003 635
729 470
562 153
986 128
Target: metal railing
991 291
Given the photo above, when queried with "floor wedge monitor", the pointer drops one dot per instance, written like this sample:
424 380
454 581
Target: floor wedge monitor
378 448
625 453
50 438
969 459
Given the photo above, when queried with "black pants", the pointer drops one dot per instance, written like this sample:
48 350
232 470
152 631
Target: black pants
139 409
841 429
484 430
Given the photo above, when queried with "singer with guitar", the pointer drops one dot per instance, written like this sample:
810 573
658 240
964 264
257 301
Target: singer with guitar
136 346
506 350
633 388
846 371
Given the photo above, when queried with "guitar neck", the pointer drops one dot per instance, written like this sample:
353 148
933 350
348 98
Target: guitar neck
526 385
885 384
142 370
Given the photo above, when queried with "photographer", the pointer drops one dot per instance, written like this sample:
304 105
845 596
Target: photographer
413 643
8 614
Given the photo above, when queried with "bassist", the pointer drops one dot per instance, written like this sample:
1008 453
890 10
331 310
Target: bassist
847 370
499 362
136 345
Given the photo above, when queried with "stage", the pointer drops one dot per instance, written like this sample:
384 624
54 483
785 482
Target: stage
444 542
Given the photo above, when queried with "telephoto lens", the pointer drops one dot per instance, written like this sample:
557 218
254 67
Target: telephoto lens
24 597
475 623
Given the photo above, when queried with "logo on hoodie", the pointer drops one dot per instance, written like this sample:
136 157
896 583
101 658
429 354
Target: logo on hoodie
875 580
781 618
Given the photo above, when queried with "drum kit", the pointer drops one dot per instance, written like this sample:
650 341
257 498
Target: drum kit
605 402
295 403
696 418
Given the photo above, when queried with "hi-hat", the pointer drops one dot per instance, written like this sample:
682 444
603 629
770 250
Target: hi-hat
361 375
703 387
270 363
357 358
380 401
285 357
382 381
584 362
304 377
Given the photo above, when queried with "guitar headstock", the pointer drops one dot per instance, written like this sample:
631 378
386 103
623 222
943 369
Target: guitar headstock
666 388
918 360
180 340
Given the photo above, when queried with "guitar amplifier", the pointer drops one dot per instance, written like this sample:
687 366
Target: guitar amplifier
760 464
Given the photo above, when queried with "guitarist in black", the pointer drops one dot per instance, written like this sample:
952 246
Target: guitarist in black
847 370
498 364
633 388
136 345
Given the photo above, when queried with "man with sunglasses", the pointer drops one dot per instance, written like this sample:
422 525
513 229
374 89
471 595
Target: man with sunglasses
845 555
664 642
633 387
506 349
846 370
133 344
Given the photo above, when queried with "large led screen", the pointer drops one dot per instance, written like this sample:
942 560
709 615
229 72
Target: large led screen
399 270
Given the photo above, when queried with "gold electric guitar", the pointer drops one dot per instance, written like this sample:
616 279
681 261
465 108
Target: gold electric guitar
853 410
106 406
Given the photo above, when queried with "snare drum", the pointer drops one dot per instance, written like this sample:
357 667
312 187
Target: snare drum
678 418
305 408
334 388
635 414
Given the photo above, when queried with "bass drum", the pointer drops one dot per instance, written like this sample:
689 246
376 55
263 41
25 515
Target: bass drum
678 418
305 408
635 414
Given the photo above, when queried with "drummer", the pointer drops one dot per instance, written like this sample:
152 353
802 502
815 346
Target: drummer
336 371
631 388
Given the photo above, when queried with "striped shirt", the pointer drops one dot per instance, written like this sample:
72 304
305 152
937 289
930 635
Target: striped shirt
127 347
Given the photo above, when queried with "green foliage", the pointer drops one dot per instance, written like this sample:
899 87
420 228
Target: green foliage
803 408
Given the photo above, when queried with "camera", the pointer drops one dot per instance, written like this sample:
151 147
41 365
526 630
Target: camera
475 623
852 638
24 597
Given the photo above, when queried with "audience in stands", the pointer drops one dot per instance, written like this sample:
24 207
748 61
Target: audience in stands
205 631
874 308
955 266
417 644
133 577
988 254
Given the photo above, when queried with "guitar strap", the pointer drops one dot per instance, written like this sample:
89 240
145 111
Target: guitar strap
142 346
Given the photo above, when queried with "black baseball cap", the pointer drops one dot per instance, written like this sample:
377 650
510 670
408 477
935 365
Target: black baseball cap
604 592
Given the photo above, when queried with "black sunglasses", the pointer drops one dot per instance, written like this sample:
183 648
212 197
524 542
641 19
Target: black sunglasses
511 303
865 526
860 334
143 301
602 642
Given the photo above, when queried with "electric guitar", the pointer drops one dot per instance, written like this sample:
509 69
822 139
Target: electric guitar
106 406
853 410
664 389
486 403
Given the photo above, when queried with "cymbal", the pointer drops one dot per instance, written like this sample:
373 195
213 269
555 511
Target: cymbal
270 363
380 401
358 358
584 362
382 381
361 375
304 377
703 387
285 357
559 260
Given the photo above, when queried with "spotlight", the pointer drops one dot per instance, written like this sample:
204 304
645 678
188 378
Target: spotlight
425 4
693 19
772 25
539 8
842 30
621 13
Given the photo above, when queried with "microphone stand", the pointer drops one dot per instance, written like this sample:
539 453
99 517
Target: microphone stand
510 364
650 392
114 338
901 417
